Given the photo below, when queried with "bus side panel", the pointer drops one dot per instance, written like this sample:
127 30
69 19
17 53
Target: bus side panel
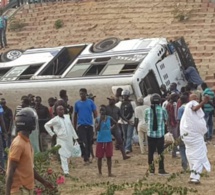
101 87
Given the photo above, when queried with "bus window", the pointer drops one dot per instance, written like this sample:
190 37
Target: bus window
78 70
62 61
81 61
129 68
95 69
115 69
102 59
29 72
21 72
103 66
149 81
14 73
3 71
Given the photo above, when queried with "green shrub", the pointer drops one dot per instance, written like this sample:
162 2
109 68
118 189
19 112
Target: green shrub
16 24
181 13
58 24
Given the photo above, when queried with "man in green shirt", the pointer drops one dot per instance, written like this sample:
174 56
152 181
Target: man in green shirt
155 117
208 110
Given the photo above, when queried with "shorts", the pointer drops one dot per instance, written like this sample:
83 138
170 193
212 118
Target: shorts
104 150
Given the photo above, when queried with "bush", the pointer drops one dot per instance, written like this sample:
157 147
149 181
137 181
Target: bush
181 13
58 24
16 24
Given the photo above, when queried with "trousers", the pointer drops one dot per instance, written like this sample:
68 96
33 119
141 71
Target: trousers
85 134
142 135
128 134
153 145
64 164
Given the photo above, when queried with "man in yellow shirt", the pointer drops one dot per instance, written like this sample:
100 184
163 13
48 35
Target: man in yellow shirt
20 171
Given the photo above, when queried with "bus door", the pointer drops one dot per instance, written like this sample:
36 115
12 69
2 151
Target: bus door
169 71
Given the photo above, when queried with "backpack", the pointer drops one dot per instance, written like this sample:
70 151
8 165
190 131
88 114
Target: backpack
127 110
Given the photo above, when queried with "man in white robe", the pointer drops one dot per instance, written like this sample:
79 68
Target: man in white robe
192 130
65 133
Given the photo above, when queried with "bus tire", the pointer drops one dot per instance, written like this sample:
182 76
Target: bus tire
105 45
11 55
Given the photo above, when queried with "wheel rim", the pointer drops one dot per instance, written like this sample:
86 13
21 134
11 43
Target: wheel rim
14 54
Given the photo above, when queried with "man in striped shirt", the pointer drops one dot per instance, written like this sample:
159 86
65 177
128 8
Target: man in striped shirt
155 118
208 110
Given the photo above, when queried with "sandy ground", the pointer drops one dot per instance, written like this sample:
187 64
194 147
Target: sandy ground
130 171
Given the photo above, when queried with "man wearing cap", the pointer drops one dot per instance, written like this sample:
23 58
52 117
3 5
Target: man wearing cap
91 96
113 111
127 108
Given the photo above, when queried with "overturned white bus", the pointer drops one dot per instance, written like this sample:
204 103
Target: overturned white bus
135 64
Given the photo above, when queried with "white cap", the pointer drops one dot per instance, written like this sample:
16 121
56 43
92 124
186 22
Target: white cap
125 92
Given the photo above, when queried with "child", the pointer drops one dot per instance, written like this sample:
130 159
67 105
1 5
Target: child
65 133
104 145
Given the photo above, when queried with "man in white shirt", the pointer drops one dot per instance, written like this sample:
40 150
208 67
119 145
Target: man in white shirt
140 123
65 133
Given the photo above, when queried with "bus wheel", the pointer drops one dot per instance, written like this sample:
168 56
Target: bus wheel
105 45
11 55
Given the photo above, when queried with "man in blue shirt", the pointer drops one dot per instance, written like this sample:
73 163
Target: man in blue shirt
192 76
85 109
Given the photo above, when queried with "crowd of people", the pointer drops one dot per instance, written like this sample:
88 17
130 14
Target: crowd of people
186 114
